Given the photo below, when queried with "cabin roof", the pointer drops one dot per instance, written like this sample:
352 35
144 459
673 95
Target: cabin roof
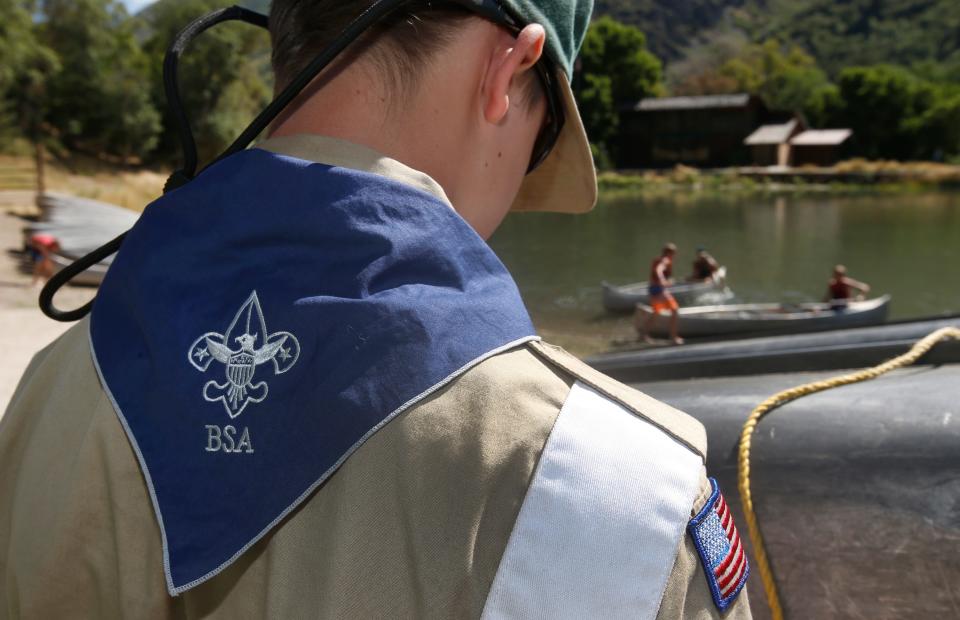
738 100
821 137
772 134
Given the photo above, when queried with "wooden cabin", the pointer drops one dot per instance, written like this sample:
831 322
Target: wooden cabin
770 144
819 147
706 131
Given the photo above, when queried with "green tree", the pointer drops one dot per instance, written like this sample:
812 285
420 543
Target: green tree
823 106
17 43
787 79
938 128
888 109
224 76
615 69
23 71
97 101
620 51
595 101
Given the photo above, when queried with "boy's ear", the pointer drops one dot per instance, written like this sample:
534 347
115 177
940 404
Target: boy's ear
512 58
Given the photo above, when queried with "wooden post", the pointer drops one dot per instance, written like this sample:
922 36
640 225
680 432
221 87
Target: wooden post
39 155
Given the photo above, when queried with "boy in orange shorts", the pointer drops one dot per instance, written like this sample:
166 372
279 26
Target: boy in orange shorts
660 297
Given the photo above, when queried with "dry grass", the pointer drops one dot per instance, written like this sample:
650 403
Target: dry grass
135 188
919 171
847 176
129 188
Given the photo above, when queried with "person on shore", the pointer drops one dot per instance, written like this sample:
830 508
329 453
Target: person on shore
42 248
661 271
840 288
309 389
704 266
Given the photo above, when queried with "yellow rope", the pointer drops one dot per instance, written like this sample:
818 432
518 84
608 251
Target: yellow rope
781 398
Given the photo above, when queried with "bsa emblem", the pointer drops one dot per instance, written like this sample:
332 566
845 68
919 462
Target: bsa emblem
247 331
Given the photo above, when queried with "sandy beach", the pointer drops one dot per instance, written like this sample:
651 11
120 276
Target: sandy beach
24 330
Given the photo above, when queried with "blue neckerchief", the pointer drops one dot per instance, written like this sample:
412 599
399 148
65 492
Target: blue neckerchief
264 320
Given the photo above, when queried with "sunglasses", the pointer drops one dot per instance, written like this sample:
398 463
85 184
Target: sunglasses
546 72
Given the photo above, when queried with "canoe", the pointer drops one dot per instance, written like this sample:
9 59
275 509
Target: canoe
92 276
625 298
80 225
780 318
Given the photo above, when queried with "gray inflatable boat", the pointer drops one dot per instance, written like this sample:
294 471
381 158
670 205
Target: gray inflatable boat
728 319
857 489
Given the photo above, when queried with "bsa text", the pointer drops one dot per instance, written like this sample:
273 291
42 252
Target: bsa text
225 440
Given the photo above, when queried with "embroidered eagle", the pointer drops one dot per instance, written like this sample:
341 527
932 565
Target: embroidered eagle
281 348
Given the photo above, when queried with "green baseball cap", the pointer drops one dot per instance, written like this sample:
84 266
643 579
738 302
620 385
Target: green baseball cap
566 181
565 21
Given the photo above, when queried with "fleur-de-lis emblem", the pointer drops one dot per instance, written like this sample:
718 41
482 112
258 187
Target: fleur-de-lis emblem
247 330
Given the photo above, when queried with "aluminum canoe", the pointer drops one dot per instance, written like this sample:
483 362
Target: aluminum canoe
622 299
80 225
729 319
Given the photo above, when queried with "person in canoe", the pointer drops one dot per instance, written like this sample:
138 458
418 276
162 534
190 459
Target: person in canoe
841 286
660 298
704 266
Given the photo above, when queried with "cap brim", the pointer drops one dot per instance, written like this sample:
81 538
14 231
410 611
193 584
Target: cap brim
566 181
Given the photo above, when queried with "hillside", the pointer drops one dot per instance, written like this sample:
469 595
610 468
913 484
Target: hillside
670 26
863 32
837 33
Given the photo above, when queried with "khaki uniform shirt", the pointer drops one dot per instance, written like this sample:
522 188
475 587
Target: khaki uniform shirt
417 523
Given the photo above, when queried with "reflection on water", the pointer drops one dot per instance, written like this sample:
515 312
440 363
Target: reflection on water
775 248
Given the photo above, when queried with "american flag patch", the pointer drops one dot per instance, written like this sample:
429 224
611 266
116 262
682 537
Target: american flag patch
721 552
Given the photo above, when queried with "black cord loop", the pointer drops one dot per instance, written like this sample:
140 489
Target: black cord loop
171 85
68 273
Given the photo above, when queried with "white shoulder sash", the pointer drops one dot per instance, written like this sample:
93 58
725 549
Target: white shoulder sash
599 529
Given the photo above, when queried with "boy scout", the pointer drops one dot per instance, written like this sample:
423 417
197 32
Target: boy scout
308 388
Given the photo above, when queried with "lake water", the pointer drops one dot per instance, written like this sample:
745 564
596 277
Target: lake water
775 248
